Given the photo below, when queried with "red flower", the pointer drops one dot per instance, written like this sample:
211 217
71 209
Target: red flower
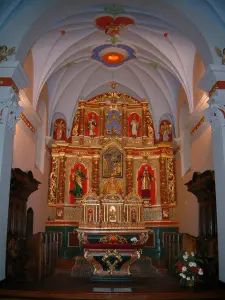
62 32
166 34
179 264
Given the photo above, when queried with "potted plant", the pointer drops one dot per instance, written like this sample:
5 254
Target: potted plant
188 268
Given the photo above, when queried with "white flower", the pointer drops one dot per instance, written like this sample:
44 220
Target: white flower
190 264
181 274
192 254
184 276
188 278
186 253
185 257
194 264
200 272
184 269
134 240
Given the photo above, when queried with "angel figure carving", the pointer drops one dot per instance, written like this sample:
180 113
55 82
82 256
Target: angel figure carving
4 52
221 54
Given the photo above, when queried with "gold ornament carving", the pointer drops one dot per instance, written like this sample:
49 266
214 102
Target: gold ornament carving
129 174
52 197
95 175
112 255
114 97
171 181
163 180
61 180
76 123
111 239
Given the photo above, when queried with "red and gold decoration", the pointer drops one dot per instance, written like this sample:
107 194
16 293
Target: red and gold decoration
166 131
91 124
134 125
78 183
112 179
111 25
147 183
59 132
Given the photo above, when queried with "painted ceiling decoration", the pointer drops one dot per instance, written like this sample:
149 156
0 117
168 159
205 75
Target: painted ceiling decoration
152 60
113 55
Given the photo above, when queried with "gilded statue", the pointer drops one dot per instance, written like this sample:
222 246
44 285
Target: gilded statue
76 124
134 126
112 186
149 127
4 52
78 177
165 130
59 129
146 179
92 126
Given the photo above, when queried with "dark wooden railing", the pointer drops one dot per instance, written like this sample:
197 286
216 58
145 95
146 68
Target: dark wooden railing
175 243
43 254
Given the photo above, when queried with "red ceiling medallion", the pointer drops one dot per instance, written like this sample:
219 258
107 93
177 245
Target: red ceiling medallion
112 25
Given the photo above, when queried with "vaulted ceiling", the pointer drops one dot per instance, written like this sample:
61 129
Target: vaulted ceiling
162 63
160 37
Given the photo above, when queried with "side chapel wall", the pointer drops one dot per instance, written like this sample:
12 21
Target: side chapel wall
201 159
24 156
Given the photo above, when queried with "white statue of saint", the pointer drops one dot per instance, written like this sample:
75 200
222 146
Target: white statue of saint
91 125
134 126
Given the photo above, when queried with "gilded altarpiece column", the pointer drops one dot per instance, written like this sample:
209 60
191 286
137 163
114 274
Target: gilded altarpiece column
61 178
171 181
53 181
144 113
81 108
129 173
125 118
95 173
163 180
101 119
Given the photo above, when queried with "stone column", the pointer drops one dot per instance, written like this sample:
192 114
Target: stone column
215 115
95 173
12 78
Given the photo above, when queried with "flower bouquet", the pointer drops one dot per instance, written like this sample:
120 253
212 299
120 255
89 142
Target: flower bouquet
187 266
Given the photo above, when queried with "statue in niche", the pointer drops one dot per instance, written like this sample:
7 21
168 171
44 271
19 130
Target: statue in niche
78 177
60 128
112 186
134 126
221 54
92 126
90 215
76 124
112 214
149 127
146 179
166 131
133 216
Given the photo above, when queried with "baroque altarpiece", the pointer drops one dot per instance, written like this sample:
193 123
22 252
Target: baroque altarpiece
112 150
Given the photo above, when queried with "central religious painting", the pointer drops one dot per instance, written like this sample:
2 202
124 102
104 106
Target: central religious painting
112 163
113 123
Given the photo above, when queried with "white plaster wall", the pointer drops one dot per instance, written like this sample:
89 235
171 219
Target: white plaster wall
24 158
201 160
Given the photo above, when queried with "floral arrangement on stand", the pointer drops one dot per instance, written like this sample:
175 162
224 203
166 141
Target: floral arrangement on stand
187 266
